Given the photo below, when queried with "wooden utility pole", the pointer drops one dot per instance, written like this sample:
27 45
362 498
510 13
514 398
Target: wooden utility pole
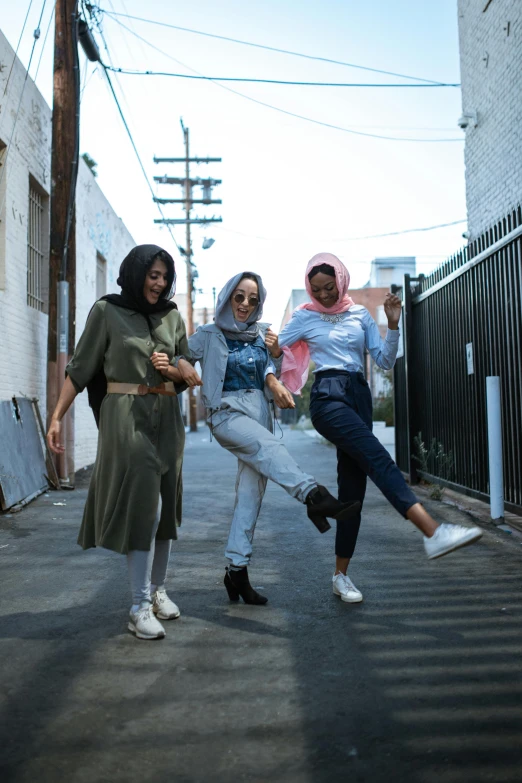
188 202
62 261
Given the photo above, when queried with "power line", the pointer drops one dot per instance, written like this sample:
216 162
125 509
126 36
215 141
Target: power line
350 239
269 48
127 128
18 46
132 72
137 154
43 44
277 108
36 36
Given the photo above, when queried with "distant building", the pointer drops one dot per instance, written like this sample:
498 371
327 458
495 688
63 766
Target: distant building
491 67
385 272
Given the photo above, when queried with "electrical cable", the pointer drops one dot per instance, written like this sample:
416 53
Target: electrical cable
126 125
350 239
268 48
132 72
36 36
284 111
18 46
43 45
129 134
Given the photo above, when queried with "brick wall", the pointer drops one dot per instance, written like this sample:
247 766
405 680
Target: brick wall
491 68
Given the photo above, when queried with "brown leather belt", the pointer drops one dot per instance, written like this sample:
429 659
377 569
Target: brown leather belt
167 389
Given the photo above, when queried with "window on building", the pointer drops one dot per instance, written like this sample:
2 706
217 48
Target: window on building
3 149
37 247
101 276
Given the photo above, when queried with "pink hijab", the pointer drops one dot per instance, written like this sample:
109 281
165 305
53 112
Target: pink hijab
296 360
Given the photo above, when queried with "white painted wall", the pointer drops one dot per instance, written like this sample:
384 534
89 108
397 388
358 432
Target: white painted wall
23 330
98 230
491 68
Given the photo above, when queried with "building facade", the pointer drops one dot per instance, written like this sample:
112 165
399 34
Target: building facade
490 35
102 241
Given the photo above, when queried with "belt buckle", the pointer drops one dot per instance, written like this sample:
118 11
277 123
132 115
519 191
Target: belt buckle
143 390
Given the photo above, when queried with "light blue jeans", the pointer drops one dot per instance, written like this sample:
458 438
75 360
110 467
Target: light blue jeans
243 426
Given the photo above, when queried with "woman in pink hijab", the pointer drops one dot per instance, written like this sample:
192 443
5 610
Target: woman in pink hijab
334 332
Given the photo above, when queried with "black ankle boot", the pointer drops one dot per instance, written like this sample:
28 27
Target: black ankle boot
237 584
322 504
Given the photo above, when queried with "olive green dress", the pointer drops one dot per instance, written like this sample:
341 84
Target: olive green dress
141 439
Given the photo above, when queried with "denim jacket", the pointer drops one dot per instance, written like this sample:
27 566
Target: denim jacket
209 346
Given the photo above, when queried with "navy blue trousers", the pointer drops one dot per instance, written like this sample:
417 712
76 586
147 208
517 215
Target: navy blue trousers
341 411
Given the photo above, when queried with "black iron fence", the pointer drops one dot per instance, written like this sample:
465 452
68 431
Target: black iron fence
463 323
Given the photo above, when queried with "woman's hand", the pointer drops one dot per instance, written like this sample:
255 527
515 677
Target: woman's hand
54 437
188 373
65 400
282 397
161 363
272 343
392 308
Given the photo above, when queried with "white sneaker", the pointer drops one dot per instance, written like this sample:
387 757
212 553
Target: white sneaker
447 538
345 589
144 624
164 607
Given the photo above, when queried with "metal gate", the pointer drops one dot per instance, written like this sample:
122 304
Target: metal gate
462 324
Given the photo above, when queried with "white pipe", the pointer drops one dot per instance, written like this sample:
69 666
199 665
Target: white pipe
496 468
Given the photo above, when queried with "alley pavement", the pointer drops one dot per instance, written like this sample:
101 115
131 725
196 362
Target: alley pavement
421 682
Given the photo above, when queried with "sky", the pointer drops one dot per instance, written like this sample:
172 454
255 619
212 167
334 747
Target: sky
291 188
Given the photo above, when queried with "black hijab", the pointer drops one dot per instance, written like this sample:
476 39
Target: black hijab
133 271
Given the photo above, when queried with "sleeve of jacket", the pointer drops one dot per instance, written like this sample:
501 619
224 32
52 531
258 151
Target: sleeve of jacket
196 345
89 354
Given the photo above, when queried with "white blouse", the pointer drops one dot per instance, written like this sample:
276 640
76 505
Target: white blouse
340 345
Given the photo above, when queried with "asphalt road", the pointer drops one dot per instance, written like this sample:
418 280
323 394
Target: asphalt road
421 682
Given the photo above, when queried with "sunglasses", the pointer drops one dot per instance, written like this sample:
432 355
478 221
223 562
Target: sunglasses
253 301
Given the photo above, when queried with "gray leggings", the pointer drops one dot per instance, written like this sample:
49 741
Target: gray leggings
149 567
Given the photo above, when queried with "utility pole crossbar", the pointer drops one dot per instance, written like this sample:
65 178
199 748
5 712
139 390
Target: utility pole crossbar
192 201
183 160
187 221
204 183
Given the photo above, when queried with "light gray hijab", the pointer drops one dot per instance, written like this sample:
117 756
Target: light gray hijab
236 330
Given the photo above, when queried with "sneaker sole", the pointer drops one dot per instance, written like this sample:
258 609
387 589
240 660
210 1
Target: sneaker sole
348 600
459 545
166 616
140 635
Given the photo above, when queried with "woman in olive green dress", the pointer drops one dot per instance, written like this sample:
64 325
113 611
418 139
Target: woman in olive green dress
130 355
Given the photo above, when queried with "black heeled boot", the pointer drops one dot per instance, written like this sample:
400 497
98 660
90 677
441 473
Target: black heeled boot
238 584
321 504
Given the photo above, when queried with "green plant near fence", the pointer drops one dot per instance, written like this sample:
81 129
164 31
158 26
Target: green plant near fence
435 456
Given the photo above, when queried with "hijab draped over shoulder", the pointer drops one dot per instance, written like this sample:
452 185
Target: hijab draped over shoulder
245 332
